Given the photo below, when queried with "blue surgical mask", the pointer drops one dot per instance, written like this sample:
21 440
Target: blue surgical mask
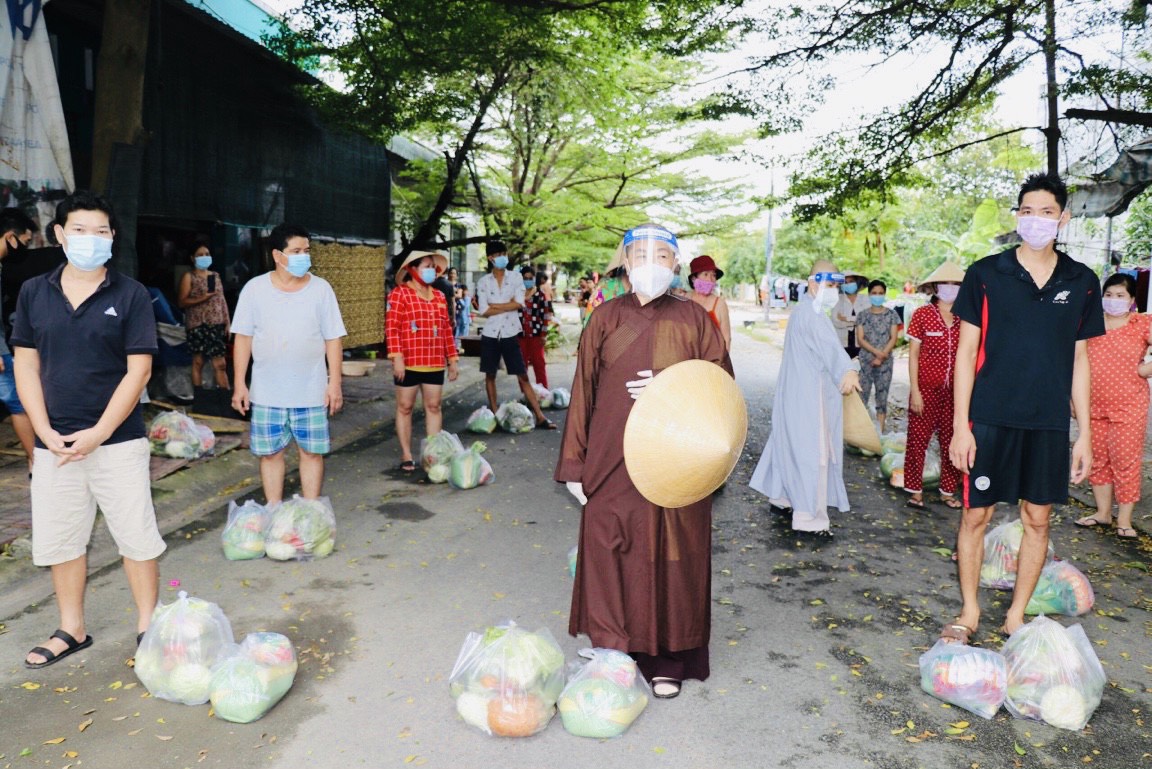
299 264
87 252
203 262
676 282
500 262
850 288
529 282
876 300
427 275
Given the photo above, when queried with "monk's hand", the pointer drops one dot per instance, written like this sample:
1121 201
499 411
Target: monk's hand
576 489
850 382
637 386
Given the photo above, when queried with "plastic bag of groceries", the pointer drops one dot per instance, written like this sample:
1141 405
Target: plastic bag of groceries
573 555
515 418
243 535
174 435
207 439
482 420
893 443
252 677
469 469
604 695
1054 676
543 396
1001 549
1062 589
301 529
438 450
185 639
561 397
506 680
931 476
964 676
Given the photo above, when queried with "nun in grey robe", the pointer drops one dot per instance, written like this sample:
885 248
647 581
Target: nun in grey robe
802 466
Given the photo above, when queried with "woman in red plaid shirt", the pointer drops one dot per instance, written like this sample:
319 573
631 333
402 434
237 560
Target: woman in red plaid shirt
420 345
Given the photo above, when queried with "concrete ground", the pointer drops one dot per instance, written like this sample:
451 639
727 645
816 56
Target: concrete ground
814 643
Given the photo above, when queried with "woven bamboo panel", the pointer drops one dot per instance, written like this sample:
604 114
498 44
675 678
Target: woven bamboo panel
357 276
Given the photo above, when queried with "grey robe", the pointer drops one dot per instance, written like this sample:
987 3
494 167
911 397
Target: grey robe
802 466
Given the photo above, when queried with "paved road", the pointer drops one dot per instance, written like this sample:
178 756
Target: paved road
814 643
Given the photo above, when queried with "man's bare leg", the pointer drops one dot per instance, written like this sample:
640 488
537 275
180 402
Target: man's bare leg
490 388
68 580
1033 551
970 557
311 474
530 396
272 477
144 582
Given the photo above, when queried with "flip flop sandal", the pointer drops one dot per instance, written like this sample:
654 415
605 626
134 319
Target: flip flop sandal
408 466
547 424
1131 532
51 657
952 503
915 503
665 688
1089 522
954 632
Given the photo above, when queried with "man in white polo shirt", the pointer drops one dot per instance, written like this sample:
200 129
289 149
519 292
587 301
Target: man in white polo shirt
500 298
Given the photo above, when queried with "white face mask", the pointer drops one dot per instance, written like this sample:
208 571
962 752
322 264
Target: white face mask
947 292
826 298
651 280
87 252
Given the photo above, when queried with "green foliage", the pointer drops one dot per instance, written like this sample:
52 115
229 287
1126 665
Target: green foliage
1138 231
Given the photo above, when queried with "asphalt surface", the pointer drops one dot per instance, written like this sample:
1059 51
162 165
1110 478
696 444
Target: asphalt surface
814 643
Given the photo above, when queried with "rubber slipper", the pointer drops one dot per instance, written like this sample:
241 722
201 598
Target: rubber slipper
665 688
51 657
952 503
547 424
1090 521
916 503
407 466
954 631
1131 532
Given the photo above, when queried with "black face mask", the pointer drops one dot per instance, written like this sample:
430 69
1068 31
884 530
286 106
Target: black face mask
16 247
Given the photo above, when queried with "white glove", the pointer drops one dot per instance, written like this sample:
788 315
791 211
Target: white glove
576 489
637 386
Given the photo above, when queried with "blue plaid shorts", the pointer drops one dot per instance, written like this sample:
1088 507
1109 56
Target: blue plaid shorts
274 427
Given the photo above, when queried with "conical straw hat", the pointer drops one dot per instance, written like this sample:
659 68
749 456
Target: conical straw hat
947 272
685 433
858 428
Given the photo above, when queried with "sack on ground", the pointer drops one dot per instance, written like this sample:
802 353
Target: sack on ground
604 695
174 435
506 680
543 396
439 449
1001 549
964 676
184 641
301 529
515 418
482 420
469 469
561 397
243 535
252 677
1054 675
1062 589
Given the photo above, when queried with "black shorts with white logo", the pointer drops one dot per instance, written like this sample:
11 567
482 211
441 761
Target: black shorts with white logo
1014 464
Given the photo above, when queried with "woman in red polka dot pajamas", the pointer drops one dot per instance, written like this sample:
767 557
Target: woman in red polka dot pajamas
933 333
1119 406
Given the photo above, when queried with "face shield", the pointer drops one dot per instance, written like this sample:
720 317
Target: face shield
827 289
651 253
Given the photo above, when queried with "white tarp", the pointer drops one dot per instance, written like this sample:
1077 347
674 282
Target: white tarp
35 162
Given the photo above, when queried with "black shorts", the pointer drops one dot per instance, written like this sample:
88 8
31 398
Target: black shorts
1014 464
416 378
508 348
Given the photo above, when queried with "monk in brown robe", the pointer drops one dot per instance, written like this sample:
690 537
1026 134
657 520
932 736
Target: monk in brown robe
643 577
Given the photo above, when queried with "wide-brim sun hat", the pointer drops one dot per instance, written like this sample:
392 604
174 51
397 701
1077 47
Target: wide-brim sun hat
948 272
685 433
441 262
859 431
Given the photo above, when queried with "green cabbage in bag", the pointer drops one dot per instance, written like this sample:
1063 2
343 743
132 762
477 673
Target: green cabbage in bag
252 677
469 469
515 418
301 529
184 640
243 535
482 420
439 449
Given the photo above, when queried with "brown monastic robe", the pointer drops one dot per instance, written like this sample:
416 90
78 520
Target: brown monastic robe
643 576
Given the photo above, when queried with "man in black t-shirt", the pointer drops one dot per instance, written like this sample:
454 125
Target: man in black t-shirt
1026 315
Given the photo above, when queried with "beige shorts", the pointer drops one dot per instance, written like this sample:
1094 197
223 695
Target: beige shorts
64 501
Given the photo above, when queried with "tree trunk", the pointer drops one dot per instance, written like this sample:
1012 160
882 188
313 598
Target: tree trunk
1052 132
119 82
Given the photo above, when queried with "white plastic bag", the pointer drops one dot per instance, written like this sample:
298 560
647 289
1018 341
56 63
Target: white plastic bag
1054 674
184 641
243 535
301 529
964 676
515 418
252 677
604 695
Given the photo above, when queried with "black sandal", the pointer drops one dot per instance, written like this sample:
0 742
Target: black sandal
408 466
51 657
546 424
670 687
